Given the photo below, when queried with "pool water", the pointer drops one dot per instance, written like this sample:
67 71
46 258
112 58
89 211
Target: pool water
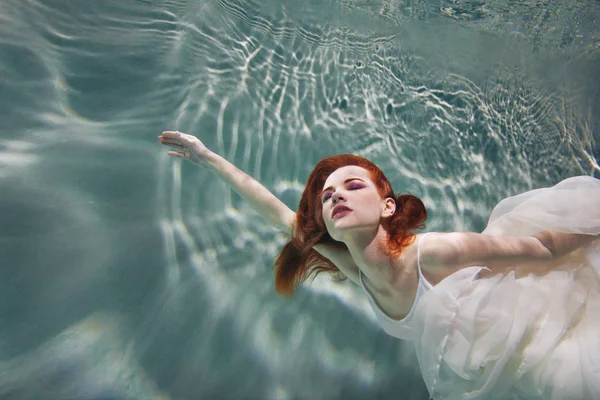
126 274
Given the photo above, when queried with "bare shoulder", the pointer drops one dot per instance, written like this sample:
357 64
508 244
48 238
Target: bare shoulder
437 253
342 259
442 248
409 257
420 251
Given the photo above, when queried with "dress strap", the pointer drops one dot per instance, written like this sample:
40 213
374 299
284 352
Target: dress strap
418 263
421 277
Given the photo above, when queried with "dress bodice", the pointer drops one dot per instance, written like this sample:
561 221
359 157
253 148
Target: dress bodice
402 329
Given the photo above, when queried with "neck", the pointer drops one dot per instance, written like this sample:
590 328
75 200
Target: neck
367 251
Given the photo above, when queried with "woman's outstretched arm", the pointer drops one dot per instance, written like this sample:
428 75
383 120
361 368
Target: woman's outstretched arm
255 194
258 197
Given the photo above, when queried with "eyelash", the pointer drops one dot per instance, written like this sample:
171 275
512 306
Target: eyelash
351 186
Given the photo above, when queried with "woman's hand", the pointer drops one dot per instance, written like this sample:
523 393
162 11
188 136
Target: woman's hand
185 146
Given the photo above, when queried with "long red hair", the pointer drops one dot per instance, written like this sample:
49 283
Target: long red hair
297 260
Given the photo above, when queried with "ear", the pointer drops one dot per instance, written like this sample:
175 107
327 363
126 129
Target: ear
389 208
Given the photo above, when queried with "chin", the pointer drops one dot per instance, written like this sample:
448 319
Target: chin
340 234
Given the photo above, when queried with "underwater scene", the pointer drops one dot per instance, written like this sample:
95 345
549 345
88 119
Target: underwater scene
128 274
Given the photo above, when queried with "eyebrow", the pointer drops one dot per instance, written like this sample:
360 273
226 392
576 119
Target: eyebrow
346 181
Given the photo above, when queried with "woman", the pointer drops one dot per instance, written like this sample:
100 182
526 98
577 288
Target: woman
509 313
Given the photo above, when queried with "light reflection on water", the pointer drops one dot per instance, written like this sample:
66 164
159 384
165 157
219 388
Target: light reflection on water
159 269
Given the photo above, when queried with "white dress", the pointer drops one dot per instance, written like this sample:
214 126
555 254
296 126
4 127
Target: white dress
516 337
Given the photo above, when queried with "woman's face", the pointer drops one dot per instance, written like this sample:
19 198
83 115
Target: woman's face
351 189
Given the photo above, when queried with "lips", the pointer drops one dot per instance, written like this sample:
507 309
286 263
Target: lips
339 209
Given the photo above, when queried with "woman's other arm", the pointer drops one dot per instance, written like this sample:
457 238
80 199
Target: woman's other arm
464 249
560 244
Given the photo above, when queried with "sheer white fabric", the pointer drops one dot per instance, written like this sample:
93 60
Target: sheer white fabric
507 336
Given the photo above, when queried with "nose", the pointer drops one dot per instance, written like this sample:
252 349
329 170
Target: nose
336 197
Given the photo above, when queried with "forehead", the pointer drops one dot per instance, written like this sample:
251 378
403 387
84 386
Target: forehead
340 174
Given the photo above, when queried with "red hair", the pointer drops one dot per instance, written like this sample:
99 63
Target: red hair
297 260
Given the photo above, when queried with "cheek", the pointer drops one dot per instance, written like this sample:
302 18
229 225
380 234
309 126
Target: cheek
324 221
373 213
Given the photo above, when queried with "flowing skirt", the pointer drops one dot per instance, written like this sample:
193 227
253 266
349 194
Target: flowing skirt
524 334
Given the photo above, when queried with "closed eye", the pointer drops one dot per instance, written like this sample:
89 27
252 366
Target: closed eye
351 186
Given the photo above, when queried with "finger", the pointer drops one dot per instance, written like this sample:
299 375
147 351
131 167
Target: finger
179 137
171 142
169 138
171 134
180 149
176 154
